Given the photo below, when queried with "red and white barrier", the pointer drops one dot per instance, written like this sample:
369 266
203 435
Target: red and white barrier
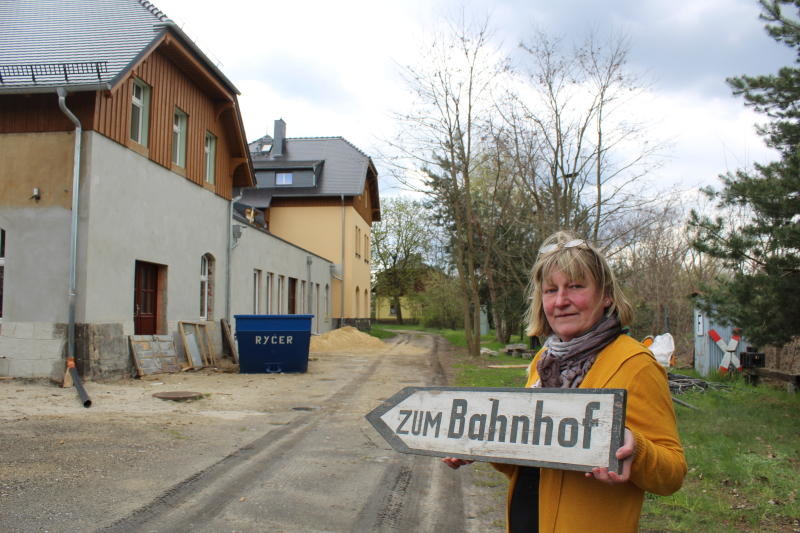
729 349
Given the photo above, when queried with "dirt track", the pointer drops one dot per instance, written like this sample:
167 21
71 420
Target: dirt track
289 452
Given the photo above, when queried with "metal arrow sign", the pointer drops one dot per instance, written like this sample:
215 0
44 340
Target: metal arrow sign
571 429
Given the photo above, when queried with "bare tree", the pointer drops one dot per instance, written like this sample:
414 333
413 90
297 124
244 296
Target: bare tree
443 137
575 155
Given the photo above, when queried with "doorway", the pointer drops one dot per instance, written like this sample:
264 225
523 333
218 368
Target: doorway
147 298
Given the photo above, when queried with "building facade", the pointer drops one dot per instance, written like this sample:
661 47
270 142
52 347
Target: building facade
121 146
322 194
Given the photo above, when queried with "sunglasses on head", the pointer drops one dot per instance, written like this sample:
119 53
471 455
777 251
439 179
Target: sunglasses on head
547 248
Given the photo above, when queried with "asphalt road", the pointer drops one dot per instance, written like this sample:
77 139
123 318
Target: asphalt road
303 460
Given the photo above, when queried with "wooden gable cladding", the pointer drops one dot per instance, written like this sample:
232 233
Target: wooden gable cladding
367 204
28 113
207 110
310 201
361 203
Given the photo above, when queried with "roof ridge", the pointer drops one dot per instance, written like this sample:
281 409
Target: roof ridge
160 15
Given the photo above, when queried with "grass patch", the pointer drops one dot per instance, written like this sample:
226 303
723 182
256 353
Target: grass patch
744 462
380 331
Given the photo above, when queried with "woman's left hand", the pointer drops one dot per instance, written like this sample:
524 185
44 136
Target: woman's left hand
625 454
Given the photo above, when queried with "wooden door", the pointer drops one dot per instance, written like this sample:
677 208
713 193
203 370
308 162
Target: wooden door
145 291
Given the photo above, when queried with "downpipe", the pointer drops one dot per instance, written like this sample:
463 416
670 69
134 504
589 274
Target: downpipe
73 251
76 380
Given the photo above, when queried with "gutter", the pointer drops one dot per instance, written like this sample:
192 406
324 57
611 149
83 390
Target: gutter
73 247
341 302
310 290
46 89
228 259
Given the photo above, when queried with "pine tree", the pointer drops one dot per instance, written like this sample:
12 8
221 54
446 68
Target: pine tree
761 289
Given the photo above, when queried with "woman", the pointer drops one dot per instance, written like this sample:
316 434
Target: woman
576 302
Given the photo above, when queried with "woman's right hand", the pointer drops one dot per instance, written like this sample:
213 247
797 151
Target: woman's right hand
455 463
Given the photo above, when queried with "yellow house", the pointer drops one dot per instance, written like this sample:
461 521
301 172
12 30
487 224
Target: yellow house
320 193
385 311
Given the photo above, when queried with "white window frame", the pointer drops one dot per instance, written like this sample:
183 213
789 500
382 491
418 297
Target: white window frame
316 315
268 294
284 178
281 284
179 128
140 111
204 289
210 154
256 291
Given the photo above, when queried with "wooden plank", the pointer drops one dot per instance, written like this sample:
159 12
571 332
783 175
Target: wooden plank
190 345
572 429
193 350
226 331
154 354
210 355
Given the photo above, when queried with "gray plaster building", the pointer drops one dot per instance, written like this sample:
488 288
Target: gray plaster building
121 145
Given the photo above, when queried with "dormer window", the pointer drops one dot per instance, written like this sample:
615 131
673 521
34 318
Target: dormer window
283 178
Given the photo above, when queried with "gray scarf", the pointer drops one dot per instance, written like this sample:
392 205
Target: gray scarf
564 364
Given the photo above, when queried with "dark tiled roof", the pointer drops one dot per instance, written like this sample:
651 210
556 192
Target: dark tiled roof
345 170
80 44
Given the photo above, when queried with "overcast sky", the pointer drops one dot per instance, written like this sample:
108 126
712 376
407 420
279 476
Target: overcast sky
332 68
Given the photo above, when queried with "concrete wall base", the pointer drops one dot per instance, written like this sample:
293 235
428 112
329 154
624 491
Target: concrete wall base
33 350
102 351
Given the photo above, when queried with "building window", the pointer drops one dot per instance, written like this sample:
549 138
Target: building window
316 314
358 241
366 248
327 300
291 297
283 178
179 120
205 269
358 302
210 151
256 291
140 111
268 293
279 305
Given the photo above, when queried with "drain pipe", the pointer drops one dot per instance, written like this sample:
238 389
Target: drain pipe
341 303
228 261
310 290
73 248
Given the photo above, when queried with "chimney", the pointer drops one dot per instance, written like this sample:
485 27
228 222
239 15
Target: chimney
278 137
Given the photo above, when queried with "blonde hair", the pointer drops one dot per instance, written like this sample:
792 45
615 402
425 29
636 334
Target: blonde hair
578 262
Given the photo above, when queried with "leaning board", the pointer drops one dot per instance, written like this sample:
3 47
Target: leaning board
154 354
570 429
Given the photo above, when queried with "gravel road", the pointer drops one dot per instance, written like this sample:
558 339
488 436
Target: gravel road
278 453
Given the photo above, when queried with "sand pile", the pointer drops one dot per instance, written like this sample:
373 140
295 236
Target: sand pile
346 339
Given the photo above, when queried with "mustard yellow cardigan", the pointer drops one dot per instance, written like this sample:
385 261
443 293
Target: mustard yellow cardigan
571 503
